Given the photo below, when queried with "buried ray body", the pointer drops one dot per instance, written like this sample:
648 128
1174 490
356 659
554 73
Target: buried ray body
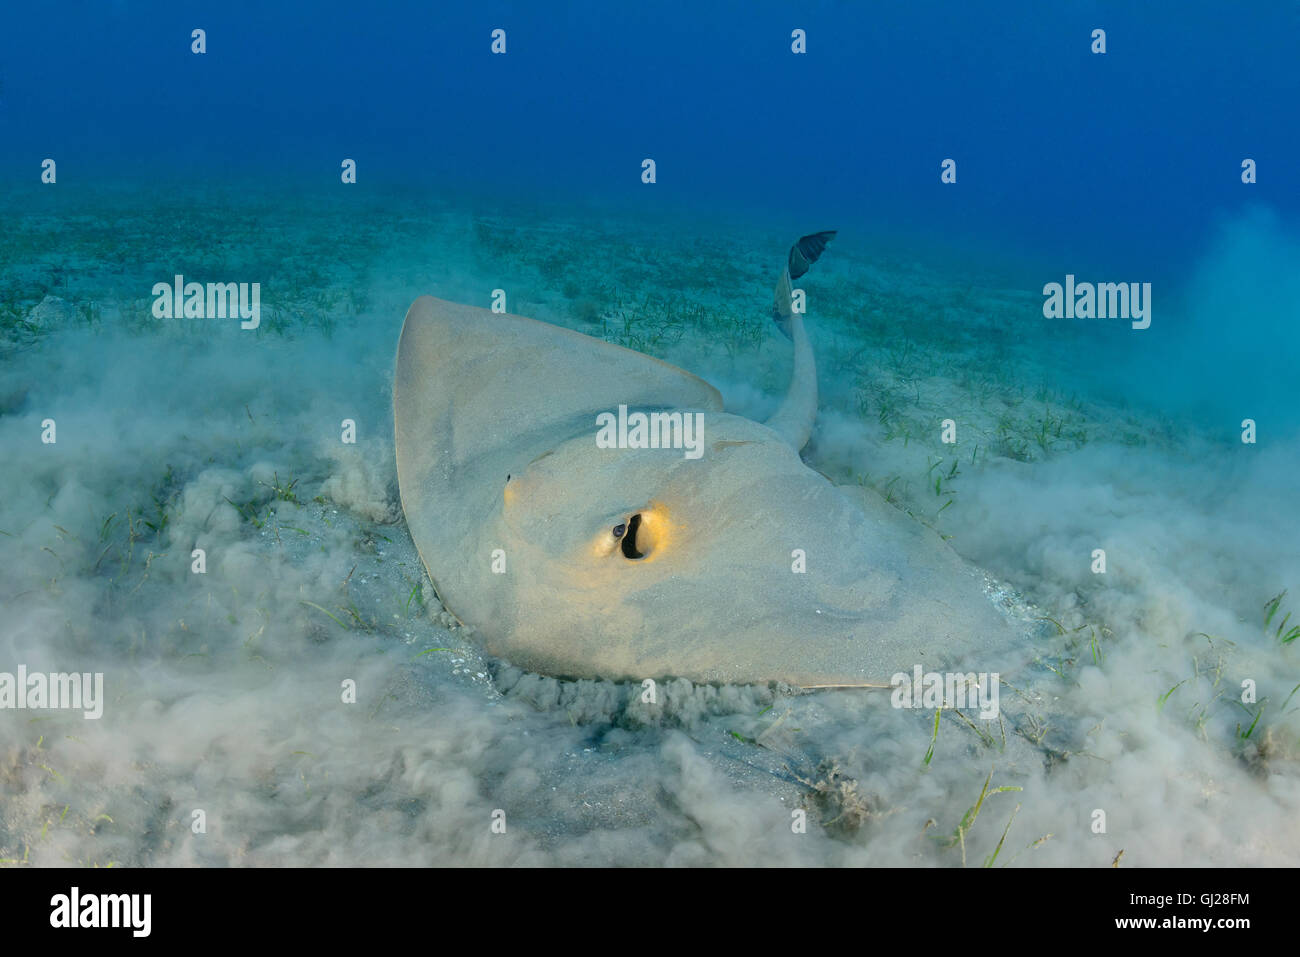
741 565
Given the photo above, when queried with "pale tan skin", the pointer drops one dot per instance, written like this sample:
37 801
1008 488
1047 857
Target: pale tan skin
480 396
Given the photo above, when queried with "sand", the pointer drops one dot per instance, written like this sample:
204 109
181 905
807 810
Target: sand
225 691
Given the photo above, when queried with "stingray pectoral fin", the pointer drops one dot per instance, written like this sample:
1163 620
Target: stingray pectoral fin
469 380
471 390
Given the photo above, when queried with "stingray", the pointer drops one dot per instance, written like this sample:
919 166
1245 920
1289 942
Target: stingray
575 559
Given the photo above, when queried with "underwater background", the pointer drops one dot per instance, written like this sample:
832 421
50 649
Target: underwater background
524 171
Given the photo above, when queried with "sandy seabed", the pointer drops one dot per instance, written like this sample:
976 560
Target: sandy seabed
223 689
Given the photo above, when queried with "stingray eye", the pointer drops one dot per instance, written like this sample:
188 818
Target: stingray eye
619 530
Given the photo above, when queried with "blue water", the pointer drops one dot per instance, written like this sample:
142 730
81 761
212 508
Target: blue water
523 171
1124 160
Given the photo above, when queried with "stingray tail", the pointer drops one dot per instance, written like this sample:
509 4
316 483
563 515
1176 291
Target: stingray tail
802 255
794 419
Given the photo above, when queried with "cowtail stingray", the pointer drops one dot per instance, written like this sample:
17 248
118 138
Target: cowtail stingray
575 551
